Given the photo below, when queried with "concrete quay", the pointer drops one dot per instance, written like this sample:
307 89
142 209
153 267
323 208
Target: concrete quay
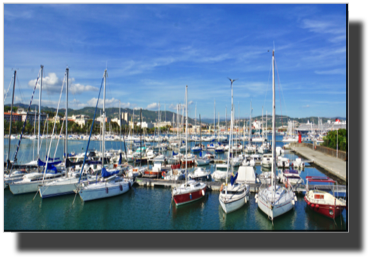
333 165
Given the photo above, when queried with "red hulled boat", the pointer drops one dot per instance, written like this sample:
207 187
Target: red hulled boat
189 192
324 203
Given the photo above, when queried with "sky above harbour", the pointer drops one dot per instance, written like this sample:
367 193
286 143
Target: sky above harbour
152 52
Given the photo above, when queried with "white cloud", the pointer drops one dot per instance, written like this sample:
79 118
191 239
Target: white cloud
109 103
152 106
324 26
52 84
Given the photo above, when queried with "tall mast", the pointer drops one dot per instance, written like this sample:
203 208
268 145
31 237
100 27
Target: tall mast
250 124
104 115
273 126
39 116
231 127
195 118
262 122
186 136
10 121
214 118
218 126
140 134
225 121
35 114
67 112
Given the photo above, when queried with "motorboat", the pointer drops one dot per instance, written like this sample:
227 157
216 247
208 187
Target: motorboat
282 162
202 161
155 172
298 163
174 174
188 158
220 172
267 160
291 177
200 174
324 203
255 159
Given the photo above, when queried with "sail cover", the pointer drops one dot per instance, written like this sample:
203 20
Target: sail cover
233 178
106 173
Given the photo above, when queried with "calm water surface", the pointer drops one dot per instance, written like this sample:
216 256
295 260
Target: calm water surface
147 208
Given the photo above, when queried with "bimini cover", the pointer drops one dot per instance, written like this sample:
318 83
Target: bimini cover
233 179
106 174
174 154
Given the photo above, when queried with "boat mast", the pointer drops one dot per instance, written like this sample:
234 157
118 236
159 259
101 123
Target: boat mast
104 115
231 127
10 121
225 121
250 124
273 127
214 118
186 137
67 112
140 135
35 114
120 123
39 116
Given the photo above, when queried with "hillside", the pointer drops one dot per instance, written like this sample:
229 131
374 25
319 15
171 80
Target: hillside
152 116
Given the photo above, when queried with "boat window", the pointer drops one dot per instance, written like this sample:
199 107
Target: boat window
234 192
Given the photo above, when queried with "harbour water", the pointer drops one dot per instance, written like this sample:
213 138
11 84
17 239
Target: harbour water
149 209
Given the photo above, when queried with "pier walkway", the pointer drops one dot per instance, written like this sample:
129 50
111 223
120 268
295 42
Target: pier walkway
333 165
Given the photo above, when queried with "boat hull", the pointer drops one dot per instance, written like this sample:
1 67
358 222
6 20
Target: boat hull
185 198
23 188
233 206
330 211
52 190
106 192
274 211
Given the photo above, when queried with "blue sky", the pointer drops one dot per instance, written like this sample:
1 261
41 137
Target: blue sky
153 51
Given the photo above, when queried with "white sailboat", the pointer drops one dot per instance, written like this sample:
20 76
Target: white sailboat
30 182
274 200
232 196
109 184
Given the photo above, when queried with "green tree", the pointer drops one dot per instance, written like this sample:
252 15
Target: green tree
331 139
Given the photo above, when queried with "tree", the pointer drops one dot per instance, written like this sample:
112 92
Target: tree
331 138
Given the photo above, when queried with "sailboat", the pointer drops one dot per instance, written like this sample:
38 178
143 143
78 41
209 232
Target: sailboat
191 190
232 196
64 185
109 184
274 200
31 181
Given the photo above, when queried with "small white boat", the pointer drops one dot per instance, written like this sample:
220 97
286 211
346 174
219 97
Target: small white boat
267 160
200 174
255 159
291 177
220 172
283 162
189 192
298 163
174 174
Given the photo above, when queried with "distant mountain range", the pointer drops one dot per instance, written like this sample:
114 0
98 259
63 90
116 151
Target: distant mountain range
152 116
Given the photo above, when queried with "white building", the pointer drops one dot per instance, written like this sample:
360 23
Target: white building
145 125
